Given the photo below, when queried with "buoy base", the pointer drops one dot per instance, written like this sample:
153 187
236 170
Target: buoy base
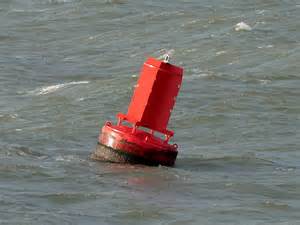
104 153
120 144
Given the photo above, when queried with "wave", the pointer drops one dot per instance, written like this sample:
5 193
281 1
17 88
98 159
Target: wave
53 88
59 1
233 163
242 26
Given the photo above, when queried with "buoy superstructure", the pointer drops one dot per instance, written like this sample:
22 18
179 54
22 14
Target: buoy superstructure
141 136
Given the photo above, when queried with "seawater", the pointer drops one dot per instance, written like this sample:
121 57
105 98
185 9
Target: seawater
67 66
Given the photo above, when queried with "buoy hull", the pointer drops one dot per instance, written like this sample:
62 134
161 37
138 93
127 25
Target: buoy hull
121 145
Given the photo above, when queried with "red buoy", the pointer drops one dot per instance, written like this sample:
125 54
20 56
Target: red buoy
148 114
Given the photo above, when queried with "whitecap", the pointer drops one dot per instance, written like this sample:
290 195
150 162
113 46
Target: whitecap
264 82
220 53
59 158
59 1
265 46
260 12
242 26
195 76
80 99
9 116
53 88
13 116
18 10
67 158
191 50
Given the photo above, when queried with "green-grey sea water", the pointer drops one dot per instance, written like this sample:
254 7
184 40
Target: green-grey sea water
67 66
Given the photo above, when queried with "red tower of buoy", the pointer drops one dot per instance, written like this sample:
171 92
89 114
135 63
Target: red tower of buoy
148 114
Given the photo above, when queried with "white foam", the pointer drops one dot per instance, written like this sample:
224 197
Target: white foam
165 52
242 26
53 88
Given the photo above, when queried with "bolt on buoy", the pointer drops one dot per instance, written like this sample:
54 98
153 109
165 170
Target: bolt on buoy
150 107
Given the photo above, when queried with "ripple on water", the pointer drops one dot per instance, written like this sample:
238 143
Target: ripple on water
237 164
